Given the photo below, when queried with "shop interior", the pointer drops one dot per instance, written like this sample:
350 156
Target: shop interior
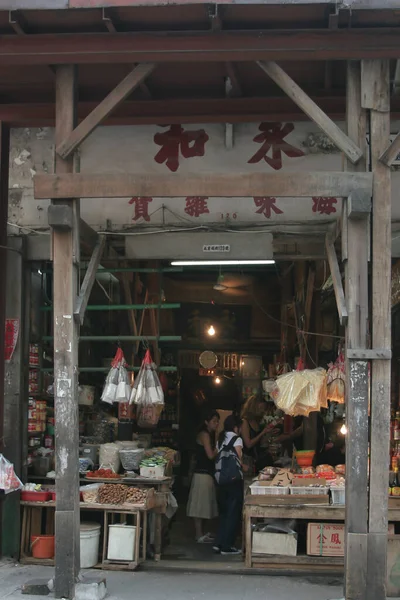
217 334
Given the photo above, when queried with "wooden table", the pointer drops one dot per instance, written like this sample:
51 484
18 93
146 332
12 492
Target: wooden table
262 507
32 518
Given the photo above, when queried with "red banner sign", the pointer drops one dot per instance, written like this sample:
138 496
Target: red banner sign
11 337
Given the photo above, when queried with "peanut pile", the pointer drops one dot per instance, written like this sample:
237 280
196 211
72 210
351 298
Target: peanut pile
112 493
136 495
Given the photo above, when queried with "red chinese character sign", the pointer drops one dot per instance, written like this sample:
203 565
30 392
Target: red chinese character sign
141 204
324 206
196 206
11 338
272 138
266 205
177 141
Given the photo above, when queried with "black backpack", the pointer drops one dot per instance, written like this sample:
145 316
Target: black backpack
228 467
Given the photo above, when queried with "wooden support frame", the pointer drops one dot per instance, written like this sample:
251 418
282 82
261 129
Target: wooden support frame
377 84
101 112
355 240
392 151
66 258
312 110
88 281
337 280
234 185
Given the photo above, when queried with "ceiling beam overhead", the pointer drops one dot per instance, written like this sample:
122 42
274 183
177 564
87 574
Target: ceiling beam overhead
222 46
235 185
312 110
101 112
232 84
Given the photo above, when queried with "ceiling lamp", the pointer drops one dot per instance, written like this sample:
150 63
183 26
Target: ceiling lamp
219 286
217 380
211 330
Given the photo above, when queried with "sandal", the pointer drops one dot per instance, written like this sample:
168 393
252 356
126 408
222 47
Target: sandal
206 539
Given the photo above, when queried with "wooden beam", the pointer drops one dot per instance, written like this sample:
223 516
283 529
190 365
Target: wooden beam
375 354
355 240
15 22
337 280
378 93
88 281
234 185
88 236
66 334
101 112
392 151
108 21
375 78
295 93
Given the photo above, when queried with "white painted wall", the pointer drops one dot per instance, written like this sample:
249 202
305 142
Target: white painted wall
133 150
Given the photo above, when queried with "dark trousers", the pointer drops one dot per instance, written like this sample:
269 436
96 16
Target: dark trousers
230 505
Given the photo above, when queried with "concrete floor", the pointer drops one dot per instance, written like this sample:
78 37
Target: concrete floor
179 586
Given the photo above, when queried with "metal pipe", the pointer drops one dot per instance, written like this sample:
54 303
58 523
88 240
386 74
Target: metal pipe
122 306
122 338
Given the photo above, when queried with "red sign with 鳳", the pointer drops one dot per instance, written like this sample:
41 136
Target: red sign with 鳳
11 337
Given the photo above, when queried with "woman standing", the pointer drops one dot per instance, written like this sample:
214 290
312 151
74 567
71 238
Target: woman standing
230 491
202 503
252 433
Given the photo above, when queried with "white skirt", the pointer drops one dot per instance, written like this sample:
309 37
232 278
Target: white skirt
202 503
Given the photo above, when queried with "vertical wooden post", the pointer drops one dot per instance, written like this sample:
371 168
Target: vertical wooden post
355 237
4 172
66 331
377 98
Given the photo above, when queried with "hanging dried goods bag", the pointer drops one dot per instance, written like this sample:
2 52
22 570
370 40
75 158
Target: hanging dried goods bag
117 388
336 380
9 482
147 394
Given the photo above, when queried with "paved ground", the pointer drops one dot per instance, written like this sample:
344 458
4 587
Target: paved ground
179 586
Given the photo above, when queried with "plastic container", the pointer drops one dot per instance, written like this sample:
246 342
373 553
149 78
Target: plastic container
42 546
90 537
35 496
131 458
307 490
153 472
90 451
338 495
86 395
121 542
268 490
305 458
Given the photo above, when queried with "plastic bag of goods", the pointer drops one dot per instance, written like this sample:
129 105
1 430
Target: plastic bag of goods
89 492
109 457
147 394
336 380
113 388
123 392
9 482
131 458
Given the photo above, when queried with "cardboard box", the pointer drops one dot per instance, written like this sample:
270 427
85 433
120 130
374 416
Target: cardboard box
284 544
325 539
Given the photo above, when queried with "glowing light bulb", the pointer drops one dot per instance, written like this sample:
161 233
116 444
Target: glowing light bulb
211 330
217 380
343 429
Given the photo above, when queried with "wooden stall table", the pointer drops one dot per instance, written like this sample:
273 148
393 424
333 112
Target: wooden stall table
293 507
32 522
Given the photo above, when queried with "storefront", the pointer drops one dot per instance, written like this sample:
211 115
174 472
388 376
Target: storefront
188 190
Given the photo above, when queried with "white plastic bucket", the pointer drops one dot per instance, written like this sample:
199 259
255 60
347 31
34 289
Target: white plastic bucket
121 542
86 395
90 537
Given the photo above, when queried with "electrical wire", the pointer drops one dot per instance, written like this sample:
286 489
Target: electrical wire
314 333
28 229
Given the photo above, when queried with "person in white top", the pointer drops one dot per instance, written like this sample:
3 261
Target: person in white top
229 476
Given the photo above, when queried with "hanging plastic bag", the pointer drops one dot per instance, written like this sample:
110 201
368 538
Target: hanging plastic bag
110 391
9 482
147 394
123 392
336 380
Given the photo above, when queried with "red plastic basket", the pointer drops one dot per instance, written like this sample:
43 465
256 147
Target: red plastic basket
35 496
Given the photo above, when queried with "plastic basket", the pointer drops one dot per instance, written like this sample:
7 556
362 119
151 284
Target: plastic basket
308 490
268 490
338 495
